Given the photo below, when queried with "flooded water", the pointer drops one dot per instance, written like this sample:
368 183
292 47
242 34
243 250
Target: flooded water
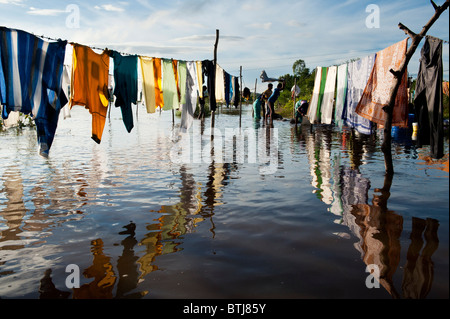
138 224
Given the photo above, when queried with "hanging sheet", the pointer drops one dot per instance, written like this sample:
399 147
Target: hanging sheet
126 82
220 84
377 91
341 94
170 88
182 73
358 74
328 96
313 106
209 72
90 85
148 83
199 70
30 80
188 108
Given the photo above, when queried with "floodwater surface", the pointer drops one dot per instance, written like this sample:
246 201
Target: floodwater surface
310 217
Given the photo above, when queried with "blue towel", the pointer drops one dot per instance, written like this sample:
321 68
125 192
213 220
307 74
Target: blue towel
32 70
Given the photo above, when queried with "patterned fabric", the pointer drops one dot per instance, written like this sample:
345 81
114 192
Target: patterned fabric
377 91
358 74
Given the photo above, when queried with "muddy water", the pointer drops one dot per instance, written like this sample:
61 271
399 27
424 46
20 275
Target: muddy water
137 223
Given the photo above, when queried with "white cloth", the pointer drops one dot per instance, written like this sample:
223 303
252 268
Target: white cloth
220 84
188 108
341 93
328 96
312 110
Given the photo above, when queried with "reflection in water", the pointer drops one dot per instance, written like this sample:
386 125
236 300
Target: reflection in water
377 228
162 237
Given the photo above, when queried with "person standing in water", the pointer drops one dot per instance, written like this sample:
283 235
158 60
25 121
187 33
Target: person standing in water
272 99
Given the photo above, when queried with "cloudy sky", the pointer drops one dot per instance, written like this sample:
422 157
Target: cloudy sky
257 35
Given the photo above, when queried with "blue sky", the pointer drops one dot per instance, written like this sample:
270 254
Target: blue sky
257 34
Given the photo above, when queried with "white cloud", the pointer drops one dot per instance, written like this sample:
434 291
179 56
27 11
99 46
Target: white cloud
45 12
109 7
15 2
264 26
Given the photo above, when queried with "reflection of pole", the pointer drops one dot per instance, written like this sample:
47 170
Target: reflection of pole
240 100
214 74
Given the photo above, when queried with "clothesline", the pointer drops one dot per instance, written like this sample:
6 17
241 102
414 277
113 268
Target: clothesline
103 49
34 79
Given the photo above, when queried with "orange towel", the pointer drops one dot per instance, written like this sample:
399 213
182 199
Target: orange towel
158 82
90 85
376 93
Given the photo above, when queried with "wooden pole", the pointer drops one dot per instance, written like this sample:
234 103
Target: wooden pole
293 108
215 64
254 98
386 147
240 100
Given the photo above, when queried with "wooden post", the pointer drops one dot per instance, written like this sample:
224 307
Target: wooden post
240 100
293 108
215 64
386 147
254 98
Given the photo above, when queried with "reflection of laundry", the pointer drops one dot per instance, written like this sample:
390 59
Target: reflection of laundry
380 232
102 271
418 271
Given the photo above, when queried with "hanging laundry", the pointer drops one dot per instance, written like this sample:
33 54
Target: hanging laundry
182 73
169 85
126 83
220 84
177 80
358 74
148 83
233 89
31 75
157 68
90 85
209 71
429 99
328 96
188 109
341 94
200 79
2 81
237 92
227 82
377 90
152 78
317 95
65 85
